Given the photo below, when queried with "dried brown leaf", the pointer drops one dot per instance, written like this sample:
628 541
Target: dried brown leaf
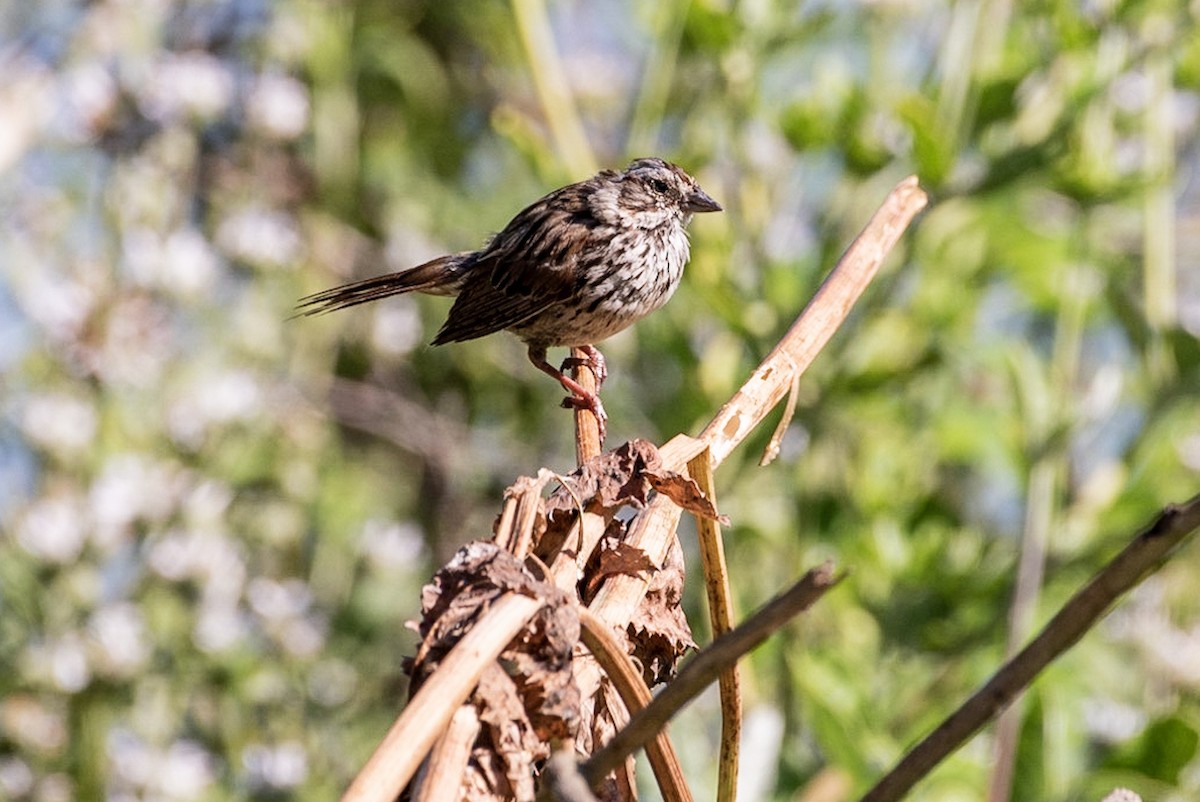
529 696
685 493
502 715
613 556
659 631
609 481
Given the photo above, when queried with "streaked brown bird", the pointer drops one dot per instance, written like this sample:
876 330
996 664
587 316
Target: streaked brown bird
572 269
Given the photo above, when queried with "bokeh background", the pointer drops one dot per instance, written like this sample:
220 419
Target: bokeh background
217 519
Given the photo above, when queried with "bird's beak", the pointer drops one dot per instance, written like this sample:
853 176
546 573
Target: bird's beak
700 201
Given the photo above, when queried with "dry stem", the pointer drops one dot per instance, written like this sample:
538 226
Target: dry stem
720 613
1147 551
706 667
627 679
587 428
429 711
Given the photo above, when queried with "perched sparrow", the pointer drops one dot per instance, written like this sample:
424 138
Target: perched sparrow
577 266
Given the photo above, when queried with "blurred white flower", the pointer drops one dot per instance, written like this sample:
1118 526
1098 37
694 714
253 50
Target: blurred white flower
263 237
1188 448
137 343
182 771
283 607
130 488
207 502
196 83
278 106
59 304
131 761
59 422
212 560
174 555
1175 650
276 601
16 778
119 634
184 264
279 767
213 398
190 265
87 98
219 627
32 725
185 771
390 544
303 637
53 529
57 787
63 662
234 395
25 105
1112 722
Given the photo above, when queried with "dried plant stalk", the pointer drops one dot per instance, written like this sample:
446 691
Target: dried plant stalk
587 428
707 666
660 752
720 613
429 711
449 757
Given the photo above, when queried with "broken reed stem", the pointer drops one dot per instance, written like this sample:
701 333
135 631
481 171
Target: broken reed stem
816 324
430 710
587 428
1136 561
720 615
443 773
705 668
627 679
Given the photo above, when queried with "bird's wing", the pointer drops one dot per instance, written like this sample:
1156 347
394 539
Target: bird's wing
527 268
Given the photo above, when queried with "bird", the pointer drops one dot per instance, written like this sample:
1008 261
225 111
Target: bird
571 269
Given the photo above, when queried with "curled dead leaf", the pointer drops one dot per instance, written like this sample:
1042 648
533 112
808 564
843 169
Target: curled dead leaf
685 493
529 696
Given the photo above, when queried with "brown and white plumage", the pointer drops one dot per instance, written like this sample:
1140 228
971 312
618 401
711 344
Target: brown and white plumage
572 269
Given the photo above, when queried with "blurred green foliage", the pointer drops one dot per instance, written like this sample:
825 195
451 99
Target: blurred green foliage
216 519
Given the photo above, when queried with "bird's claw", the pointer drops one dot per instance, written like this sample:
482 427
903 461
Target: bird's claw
593 359
592 404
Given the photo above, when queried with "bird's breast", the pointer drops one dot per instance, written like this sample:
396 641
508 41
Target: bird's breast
629 276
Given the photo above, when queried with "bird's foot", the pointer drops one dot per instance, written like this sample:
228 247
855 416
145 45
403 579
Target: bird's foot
590 402
593 359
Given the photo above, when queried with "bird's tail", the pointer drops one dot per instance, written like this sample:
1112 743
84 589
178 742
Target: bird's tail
440 276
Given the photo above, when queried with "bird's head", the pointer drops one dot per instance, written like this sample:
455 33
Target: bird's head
649 193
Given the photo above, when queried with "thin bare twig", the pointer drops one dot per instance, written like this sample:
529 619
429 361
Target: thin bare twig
775 444
706 667
1137 560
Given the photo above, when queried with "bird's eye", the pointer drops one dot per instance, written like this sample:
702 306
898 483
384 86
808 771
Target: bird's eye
658 185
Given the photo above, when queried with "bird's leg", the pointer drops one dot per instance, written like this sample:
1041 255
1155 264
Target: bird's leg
580 397
593 359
